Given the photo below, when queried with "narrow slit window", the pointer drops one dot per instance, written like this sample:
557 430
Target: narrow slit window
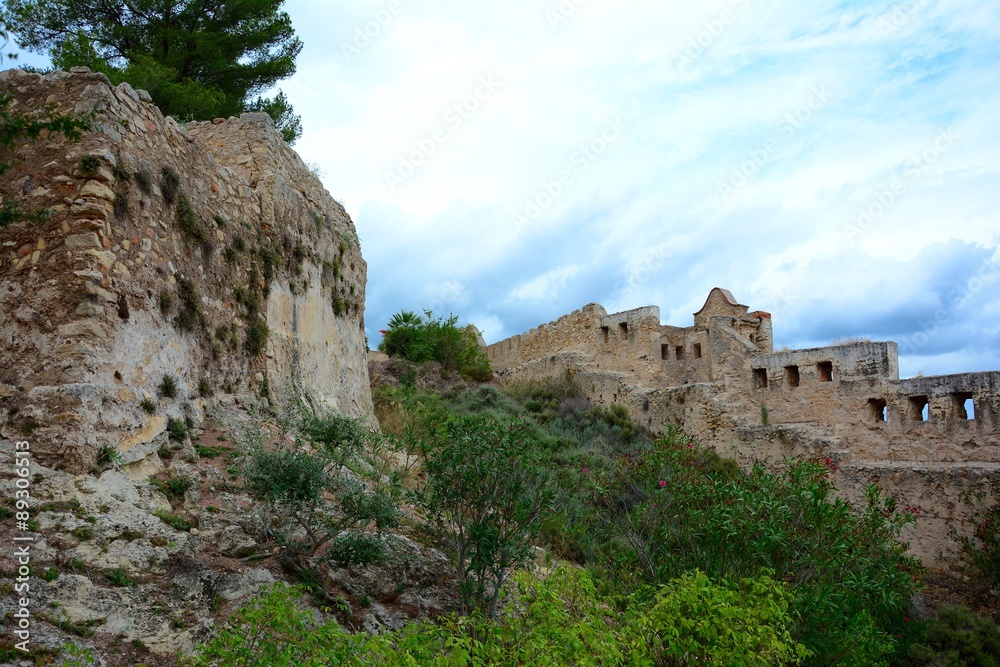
760 378
919 410
879 411
606 334
623 330
697 350
792 375
665 352
965 407
679 352
824 371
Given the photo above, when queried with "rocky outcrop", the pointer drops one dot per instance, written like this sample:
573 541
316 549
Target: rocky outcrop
206 253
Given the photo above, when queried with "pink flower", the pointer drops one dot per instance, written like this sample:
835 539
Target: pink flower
663 483
586 470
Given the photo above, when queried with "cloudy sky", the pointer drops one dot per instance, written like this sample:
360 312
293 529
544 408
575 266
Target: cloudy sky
834 163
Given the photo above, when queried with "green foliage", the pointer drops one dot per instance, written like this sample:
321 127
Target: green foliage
144 181
198 59
175 521
177 429
956 637
187 221
211 452
83 533
257 333
173 487
118 577
675 509
17 128
189 314
485 493
280 110
88 164
979 553
168 386
559 620
319 491
166 302
419 339
49 574
108 455
170 184
696 621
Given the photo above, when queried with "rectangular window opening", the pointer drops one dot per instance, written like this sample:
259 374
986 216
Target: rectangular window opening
623 330
606 334
965 407
919 410
760 378
679 352
697 350
824 371
665 352
879 411
792 375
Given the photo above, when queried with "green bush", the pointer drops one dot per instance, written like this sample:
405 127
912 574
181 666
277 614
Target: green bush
170 183
177 429
189 314
979 552
695 621
956 637
118 577
257 333
485 493
561 619
168 386
419 339
175 521
674 509
335 509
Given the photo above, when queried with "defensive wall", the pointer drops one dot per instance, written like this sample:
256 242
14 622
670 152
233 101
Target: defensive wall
931 442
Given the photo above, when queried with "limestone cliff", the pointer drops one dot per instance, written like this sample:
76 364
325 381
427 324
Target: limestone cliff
206 252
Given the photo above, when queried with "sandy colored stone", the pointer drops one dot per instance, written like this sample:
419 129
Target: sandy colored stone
83 241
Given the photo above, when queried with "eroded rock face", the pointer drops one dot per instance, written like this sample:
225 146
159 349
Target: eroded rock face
207 252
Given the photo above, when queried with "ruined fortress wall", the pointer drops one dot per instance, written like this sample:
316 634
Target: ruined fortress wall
578 329
926 442
125 283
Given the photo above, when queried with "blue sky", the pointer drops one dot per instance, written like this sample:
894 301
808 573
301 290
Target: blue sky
834 163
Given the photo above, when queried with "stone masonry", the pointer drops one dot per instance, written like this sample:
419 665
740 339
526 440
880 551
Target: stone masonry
207 252
929 442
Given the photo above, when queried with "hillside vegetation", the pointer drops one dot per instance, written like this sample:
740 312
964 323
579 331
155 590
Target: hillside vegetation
578 539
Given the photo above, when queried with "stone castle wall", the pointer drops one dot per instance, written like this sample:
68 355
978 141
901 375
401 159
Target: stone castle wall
134 276
927 441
